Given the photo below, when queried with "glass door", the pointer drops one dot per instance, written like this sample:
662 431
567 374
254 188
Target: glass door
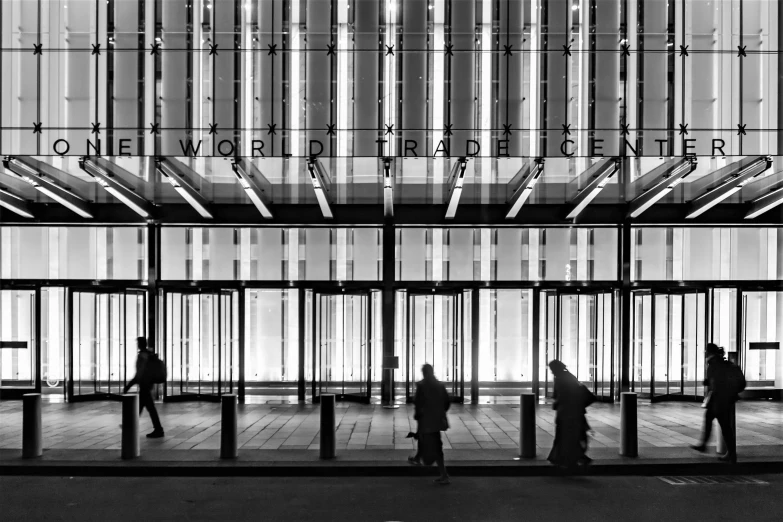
436 335
668 341
201 344
18 358
579 330
342 347
104 328
762 336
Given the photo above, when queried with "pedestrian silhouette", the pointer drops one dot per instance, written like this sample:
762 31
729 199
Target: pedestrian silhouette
145 378
724 383
571 402
432 402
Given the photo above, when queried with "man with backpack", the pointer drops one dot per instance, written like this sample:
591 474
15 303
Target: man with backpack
725 381
148 370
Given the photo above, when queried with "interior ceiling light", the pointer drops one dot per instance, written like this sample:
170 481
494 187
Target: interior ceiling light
111 185
321 185
595 186
183 188
530 176
670 180
456 181
764 203
388 188
14 203
256 194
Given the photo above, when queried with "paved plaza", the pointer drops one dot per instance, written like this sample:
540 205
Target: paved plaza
196 426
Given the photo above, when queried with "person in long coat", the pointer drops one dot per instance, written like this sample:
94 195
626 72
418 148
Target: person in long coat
571 402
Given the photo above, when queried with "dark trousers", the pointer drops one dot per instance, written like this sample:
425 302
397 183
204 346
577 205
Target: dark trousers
146 401
725 417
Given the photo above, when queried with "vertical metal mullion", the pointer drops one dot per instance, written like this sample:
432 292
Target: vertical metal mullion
652 346
37 328
242 341
300 385
534 340
475 389
410 352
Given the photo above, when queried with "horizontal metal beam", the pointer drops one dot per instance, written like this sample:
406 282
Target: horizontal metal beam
522 186
27 170
670 179
104 173
14 203
183 186
455 181
606 169
730 184
322 185
252 181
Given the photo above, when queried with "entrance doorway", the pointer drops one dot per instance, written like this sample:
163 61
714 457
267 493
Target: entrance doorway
579 330
343 340
762 336
18 346
668 340
201 344
436 332
104 326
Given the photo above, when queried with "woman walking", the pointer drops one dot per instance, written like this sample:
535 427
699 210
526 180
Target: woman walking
571 400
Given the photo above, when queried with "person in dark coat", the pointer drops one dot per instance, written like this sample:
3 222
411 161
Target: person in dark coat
720 402
571 401
145 388
431 402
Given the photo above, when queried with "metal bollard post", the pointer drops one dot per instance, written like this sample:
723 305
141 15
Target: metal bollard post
130 426
32 440
328 439
229 449
527 425
629 442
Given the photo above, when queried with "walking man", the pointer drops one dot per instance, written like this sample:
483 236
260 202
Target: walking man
432 402
145 381
725 381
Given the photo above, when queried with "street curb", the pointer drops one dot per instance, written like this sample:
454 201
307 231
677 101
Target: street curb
366 469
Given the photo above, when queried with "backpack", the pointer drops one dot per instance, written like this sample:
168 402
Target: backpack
155 369
736 378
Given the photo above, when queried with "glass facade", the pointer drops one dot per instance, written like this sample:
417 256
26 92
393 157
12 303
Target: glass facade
295 197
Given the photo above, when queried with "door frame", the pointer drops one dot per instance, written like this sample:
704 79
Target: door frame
614 352
163 328
459 295
71 396
17 392
317 293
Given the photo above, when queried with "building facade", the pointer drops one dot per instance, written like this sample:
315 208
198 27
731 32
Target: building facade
295 197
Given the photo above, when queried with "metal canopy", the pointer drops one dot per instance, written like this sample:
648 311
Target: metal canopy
171 170
31 171
455 183
322 184
106 174
388 187
522 185
765 203
14 203
730 184
255 185
604 171
671 177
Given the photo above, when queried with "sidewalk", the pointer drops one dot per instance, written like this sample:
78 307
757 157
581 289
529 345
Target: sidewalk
84 438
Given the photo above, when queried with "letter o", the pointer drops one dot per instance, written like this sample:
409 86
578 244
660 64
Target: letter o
67 147
230 152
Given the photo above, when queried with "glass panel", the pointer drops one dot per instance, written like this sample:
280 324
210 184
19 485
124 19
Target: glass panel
762 323
641 355
17 339
53 341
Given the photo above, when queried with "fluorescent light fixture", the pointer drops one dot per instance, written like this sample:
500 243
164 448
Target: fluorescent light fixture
455 181
14 203
595 186
663 187
388 188
184 188
106 180
49 188
247 181
321 186
529 176
765 203
730 185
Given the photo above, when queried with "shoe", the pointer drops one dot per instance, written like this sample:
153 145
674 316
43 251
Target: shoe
443 481
701 448
414 461
728 458
155 434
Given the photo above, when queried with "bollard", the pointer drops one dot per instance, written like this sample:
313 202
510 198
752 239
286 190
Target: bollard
130 426
629 442
527 425
328 440
229 448
32 440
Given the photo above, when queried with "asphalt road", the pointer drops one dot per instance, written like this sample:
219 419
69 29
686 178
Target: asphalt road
635 499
